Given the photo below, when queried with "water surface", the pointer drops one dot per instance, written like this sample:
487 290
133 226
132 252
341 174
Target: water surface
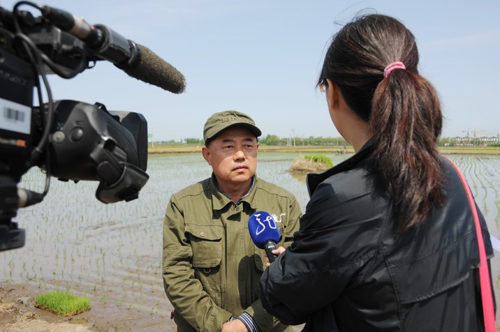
112 253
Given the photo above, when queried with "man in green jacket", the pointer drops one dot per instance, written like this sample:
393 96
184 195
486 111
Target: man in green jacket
211 267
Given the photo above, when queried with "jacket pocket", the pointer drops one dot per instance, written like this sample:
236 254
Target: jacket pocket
436 273
206 242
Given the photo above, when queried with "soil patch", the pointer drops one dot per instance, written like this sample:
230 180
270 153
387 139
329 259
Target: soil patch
14 318
18 314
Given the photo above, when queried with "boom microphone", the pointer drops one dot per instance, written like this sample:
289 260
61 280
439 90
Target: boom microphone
137 61
264 232
154 70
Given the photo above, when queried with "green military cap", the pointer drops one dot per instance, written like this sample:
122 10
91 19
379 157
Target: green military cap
222 120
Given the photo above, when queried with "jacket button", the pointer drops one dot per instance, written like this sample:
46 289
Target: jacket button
202 234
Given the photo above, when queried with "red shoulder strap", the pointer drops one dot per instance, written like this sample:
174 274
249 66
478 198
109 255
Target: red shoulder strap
484 275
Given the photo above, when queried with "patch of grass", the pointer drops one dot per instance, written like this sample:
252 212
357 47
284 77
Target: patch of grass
319 158
62 303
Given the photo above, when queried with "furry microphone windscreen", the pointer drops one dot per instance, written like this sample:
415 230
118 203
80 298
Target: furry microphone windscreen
154 70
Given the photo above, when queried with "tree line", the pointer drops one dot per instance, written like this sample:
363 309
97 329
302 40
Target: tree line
311 140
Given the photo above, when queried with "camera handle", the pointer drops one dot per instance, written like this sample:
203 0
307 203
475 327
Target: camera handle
119 180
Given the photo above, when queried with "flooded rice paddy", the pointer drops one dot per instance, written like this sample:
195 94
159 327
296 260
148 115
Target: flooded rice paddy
112 253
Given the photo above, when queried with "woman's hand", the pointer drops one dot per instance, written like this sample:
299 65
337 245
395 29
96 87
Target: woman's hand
234 326
276 252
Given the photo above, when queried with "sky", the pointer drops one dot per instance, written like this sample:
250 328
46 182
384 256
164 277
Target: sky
263 58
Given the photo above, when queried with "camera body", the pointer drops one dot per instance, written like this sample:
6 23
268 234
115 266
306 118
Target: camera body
16 113
84 142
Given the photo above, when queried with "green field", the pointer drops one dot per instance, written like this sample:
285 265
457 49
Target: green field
111 253
190 148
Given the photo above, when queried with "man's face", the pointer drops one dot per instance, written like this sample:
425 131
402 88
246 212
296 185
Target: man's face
233 155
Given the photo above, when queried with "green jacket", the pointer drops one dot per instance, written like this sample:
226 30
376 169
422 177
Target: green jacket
211 267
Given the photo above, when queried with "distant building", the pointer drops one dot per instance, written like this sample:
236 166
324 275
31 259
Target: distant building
475 140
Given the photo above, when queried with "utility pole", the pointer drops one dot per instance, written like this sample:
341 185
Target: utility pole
293 133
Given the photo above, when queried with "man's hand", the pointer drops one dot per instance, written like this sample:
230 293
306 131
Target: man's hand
234 326
276 252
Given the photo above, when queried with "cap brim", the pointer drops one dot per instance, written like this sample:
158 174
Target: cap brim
250 127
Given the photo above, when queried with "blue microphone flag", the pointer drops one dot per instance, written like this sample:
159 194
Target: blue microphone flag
262 228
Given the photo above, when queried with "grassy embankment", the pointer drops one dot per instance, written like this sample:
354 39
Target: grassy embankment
315 149
311 163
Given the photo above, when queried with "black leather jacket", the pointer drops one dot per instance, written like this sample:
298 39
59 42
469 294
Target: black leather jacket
349 270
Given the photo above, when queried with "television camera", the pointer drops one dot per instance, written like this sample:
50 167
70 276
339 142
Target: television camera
70 140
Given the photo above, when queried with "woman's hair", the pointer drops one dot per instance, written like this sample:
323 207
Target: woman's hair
402 110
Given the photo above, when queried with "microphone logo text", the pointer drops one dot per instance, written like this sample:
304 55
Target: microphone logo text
270 221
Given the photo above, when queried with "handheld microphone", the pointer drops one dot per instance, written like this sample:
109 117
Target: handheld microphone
135 60
264 232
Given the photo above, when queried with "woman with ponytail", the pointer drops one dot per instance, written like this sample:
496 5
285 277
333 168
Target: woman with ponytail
388 240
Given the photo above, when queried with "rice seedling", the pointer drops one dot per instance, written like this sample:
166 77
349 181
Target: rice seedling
62 303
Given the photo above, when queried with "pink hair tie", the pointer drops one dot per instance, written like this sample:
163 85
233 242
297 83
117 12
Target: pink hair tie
392 66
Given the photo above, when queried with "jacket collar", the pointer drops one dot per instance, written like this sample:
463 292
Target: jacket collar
313 180
220 200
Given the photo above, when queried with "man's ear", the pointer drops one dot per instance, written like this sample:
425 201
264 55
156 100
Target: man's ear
207 155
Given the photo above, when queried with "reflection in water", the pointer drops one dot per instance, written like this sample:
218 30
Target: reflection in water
301 177
76 243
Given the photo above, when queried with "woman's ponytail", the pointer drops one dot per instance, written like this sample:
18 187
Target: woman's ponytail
374 62
405 123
